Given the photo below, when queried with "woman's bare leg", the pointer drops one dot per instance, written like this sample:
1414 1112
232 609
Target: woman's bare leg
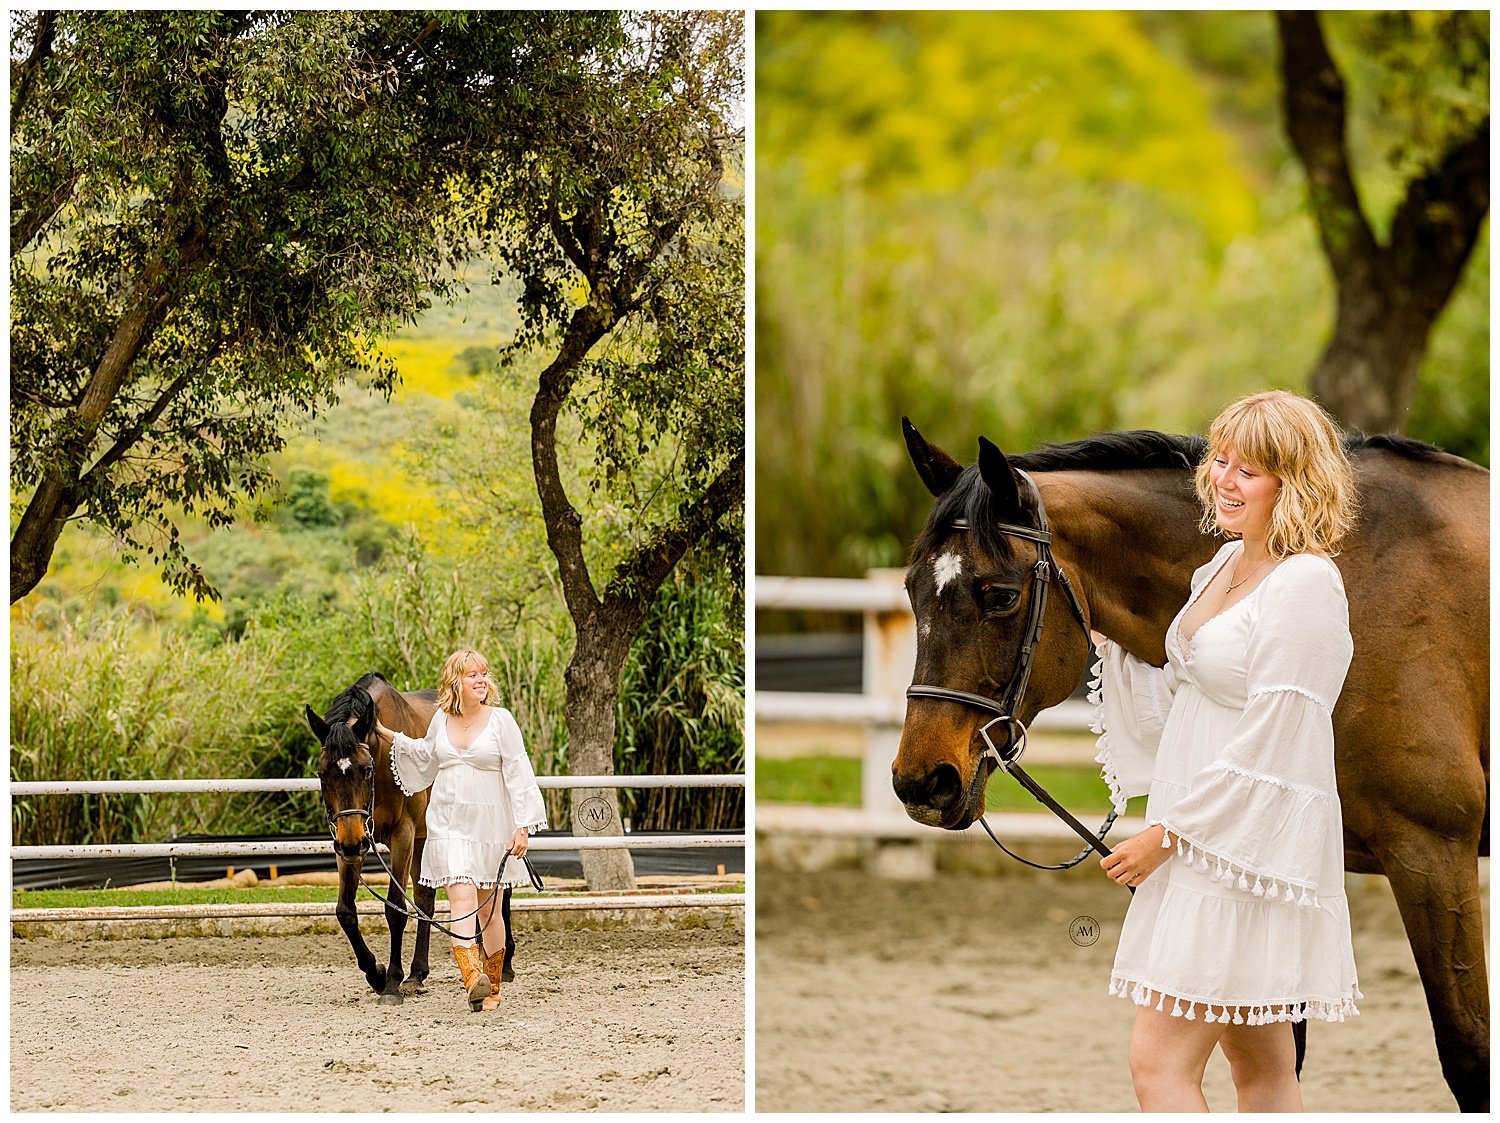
463 899
492 916
1263 1062
1168 1056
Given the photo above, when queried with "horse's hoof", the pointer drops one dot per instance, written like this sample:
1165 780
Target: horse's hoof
506 974
413 986
391 1000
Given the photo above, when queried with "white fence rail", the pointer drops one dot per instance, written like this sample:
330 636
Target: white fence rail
155 787
230 848
890 653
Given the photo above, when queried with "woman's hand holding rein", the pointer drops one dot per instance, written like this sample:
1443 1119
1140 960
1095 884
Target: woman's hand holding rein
1138 857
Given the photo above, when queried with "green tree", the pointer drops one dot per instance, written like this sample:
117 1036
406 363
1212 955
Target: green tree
1391 290
616 217
212 214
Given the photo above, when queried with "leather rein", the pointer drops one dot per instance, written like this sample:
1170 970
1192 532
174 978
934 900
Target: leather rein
1007 755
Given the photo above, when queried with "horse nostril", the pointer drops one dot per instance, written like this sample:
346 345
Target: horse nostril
940 789
944 788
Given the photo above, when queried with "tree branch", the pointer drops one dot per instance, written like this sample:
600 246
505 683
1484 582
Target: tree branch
1438 221
41 50
128 437
637 578
564 524
1315 110
34 219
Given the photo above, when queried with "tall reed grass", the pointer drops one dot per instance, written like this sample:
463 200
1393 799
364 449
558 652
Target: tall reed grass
106 697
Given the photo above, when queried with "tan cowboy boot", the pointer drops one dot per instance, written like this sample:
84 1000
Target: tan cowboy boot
476 982
493 965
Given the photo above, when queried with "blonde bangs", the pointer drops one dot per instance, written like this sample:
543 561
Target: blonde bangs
1294 440
450 683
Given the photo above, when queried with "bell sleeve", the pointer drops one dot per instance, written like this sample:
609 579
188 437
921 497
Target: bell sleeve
520 781
1259 815
1131 701
414 762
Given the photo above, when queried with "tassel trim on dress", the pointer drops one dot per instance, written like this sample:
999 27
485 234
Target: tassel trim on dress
1260 1014
1105 758
1237 875
401 780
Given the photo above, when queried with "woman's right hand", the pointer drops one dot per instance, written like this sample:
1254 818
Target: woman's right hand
382 732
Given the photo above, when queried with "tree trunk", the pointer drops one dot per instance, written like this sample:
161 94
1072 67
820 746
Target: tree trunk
1389 294
593 686
1367 376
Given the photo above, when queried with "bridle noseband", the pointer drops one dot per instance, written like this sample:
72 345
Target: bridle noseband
1008 754
367 812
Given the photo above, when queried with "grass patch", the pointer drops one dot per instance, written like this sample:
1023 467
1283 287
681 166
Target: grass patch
257 895
126 898
835 781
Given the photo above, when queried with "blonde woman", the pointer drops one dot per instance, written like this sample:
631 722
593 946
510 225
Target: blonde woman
1239 925
485 802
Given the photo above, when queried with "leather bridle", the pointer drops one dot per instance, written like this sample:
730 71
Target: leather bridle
1007 755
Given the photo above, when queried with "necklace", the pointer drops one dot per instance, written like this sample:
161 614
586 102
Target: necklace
1233 585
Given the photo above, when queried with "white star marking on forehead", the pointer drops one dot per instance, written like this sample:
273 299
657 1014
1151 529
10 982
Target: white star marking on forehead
945 569
345 765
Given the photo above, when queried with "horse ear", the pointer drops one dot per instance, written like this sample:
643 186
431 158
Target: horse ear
999 476
938 470
319 726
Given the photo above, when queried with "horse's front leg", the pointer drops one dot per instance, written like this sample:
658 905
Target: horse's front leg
426 898
395 916
348 917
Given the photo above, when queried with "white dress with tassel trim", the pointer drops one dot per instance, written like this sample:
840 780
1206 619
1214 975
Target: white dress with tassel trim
480 795
1232 743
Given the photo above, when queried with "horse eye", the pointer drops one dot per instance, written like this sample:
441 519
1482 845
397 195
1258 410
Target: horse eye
998 598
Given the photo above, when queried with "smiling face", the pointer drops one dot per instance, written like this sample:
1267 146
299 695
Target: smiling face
476 686
1244 495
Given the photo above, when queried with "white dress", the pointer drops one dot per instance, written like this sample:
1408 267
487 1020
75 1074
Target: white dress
480 795
1232 742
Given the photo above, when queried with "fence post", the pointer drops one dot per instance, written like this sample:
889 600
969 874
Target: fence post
890 656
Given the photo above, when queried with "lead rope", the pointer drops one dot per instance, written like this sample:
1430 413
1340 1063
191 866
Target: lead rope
1010 762
417 914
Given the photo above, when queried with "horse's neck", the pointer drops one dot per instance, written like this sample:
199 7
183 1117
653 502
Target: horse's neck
1130 540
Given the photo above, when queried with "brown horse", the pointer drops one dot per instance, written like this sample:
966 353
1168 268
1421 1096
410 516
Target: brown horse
366 807
1411 727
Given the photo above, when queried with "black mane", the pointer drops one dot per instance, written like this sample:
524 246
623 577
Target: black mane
1134 448
355 702
1146 448
970 500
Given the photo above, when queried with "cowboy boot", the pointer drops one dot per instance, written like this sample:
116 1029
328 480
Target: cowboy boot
492 969
476 982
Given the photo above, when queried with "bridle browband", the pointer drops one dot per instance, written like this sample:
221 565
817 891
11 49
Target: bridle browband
1007 756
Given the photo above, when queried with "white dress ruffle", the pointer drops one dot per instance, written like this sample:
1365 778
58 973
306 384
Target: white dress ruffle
480 795
1232 743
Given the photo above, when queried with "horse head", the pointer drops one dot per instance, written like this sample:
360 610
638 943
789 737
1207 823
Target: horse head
346 769
973 583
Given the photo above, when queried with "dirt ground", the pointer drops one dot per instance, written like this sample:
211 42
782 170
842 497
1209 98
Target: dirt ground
967 994
609 1021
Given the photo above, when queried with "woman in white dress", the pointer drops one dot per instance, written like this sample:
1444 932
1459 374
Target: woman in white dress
485 801
1239 925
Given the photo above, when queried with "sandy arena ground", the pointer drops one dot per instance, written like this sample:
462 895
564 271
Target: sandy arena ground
967 994
608 1021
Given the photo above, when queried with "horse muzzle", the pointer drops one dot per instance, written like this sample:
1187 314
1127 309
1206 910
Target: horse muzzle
941 797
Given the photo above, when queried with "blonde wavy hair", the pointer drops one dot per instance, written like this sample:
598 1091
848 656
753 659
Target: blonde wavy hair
450 683
1293 439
